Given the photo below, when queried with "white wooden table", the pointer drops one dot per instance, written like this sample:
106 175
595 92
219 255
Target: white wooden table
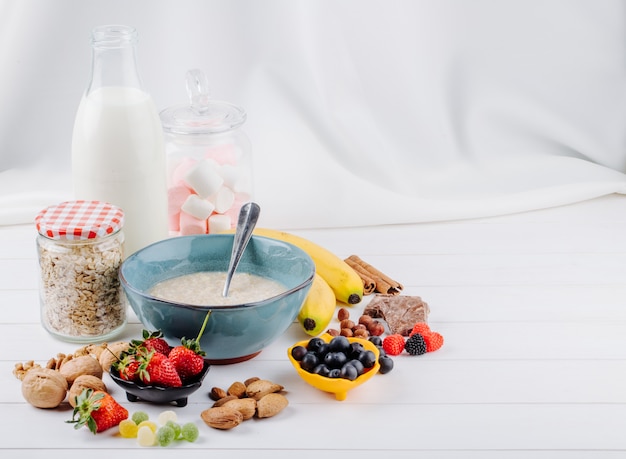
533 311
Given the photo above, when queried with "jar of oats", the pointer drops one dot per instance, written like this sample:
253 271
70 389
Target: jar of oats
79 249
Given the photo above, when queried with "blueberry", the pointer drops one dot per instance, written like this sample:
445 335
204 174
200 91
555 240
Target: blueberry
335 373
349 372
376 340
335 359
355 349
367 358
386 364
321 369
315 344
298 352
339 344
358 365
309 361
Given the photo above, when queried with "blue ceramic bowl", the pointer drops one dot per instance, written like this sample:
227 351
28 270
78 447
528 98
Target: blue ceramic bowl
233 333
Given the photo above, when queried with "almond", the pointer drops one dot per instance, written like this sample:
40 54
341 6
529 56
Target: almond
223 400
217 393
260 388
221 417
270 405
238 389
246 406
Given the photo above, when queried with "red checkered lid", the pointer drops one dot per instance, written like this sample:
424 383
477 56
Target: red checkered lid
79 220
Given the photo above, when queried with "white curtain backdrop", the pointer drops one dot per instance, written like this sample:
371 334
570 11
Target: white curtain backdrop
360 112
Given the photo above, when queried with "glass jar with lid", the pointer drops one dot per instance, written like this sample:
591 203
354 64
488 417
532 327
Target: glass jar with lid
80 251
209 164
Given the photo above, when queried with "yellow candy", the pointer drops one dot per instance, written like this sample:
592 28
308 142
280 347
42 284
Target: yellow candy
150 424
128 428
146 436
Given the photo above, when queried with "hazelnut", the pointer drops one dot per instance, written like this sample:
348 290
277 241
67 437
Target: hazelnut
347 332
376 328
346 323
343 314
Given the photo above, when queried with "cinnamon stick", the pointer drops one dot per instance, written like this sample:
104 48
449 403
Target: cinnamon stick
383 283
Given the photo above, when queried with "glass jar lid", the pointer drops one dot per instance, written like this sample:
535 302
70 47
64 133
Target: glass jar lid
79 220
202 115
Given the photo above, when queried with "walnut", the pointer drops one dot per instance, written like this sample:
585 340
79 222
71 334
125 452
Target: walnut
44 387
84 365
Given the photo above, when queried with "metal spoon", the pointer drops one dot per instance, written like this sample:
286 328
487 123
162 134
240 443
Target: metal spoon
248 216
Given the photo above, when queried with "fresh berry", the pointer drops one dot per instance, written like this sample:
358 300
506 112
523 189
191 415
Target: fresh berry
187 361
153 342
98 411
393 344
158 370
433 341
188 357
421 327
415 345
386 364
127 366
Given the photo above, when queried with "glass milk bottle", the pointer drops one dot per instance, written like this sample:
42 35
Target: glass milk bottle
209 167
118 150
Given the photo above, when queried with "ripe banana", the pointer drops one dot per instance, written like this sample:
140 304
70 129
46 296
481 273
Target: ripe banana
318 308
342 279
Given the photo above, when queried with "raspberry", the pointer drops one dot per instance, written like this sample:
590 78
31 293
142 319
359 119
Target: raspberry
433 341
415 345
421 327
393 344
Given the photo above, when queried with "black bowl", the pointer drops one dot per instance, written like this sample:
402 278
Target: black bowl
136 391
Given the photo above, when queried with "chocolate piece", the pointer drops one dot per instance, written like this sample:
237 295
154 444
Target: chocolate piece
401 312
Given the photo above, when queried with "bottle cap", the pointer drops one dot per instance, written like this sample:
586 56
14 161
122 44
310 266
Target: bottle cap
79 220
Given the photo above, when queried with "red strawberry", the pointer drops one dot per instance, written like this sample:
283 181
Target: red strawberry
153 342
98 411
187 361
158 370
128 368
188 356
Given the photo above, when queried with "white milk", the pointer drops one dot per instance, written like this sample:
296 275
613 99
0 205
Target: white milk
118 156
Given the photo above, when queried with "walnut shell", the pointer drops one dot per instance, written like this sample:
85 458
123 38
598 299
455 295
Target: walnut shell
84 382
111 354
83 365
44 387
221 417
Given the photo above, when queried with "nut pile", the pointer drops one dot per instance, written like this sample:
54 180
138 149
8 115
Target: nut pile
66 375
364 328
242 401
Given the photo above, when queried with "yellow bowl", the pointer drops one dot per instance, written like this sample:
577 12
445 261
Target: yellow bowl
337 386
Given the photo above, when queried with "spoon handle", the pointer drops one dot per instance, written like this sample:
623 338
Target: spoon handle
248 216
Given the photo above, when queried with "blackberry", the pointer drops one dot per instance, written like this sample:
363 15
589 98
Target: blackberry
415 345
